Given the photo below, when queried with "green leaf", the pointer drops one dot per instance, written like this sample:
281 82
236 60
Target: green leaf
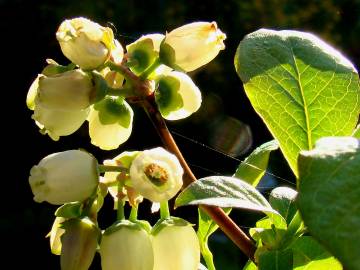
282 199
206 228
310 255
250 266
224 191
329 193
253 168
301 87
356 132
276 260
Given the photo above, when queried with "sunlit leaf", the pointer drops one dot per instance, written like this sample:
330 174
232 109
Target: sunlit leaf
301 87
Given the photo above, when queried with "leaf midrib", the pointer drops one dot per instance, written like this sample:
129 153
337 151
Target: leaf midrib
306 112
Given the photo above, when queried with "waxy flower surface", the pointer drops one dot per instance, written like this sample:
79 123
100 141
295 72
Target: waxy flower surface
156 174
64 177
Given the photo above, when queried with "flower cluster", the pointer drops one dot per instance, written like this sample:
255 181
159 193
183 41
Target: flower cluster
97 86
72 178
100 80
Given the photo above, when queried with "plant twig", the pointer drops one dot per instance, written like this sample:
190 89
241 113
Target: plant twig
226 224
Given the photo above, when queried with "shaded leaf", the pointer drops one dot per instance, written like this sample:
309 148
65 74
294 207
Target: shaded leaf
206 228
329 193
276 260
253 168
282 199
310 255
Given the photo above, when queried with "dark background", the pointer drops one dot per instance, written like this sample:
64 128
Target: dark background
226 121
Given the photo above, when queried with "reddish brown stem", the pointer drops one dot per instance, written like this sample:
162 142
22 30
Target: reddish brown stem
226 224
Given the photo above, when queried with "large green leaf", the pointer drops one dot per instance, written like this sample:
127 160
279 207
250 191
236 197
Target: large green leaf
301 87
310 255
329 196
224 191
254 166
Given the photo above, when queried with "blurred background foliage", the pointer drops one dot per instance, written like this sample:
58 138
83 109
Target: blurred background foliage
226 121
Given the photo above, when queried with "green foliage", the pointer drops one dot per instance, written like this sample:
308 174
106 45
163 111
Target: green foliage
282 199
276 260
223 191
254 166
356 133
310 255
206 228
329 196
301 87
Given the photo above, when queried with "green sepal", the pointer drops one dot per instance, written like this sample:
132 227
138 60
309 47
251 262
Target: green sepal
167 56
141 55
138 225
167 95
54 68
114 110
100 87
70 210
171 221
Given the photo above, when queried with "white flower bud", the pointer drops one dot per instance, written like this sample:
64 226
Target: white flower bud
71 90
85 43
177 96
156 174
176 247
79 243
126 248
192 45
64 177
110 122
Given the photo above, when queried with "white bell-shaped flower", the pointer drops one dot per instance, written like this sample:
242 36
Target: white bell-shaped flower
177 96
110 122
71 90
176 246
64 177
126 247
